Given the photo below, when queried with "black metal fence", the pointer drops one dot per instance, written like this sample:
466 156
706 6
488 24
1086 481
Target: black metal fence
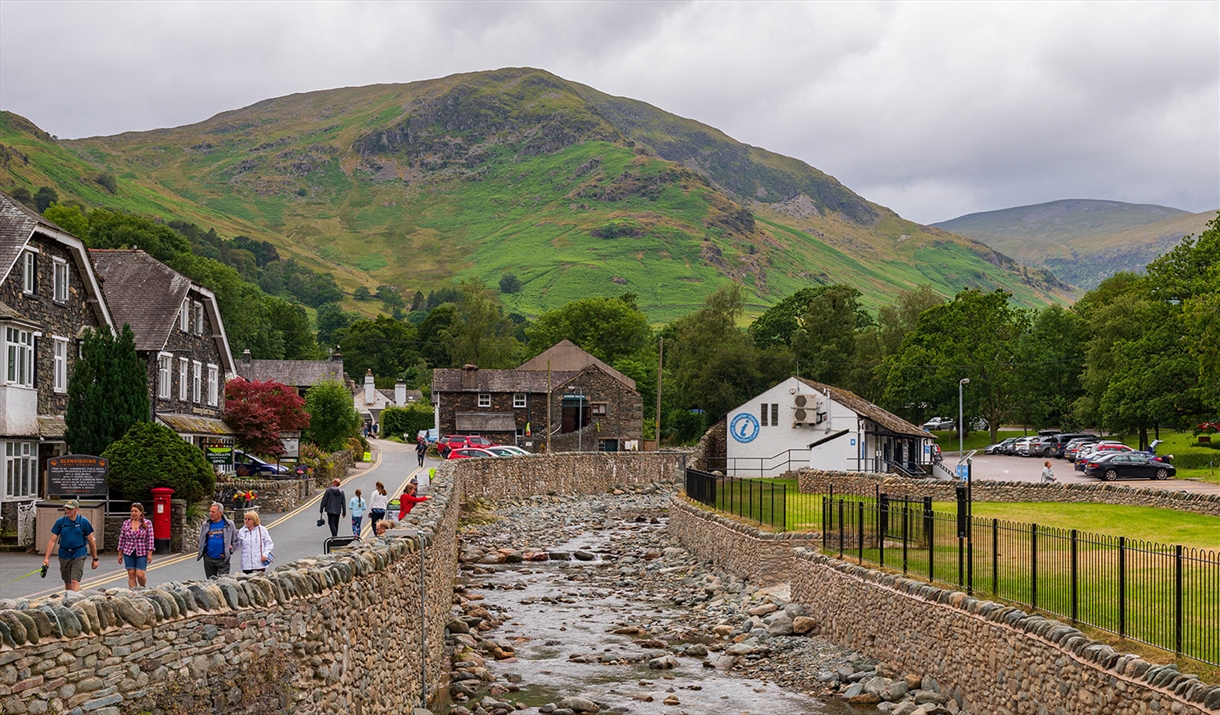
774 504
1163 595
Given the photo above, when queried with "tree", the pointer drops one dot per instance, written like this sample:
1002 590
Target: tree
362 293
607 328
152 455
510 283
384 345
70 218
825 339
1051 358
777 324
390 296
107 392
331 319
332 415
259 411
480 333
292 322
431 335
406 421
44 197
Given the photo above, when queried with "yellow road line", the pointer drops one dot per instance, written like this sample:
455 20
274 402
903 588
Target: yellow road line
318 497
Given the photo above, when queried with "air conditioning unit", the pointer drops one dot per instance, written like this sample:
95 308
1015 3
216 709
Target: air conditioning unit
807 411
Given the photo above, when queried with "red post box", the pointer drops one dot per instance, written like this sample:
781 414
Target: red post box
161 518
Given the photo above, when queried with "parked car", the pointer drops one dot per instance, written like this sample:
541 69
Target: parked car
998 447
1021 446
430 435
505 450
247 465
1111 465
456 441
470 453
1096 449
939 423
1057 445
1074 447
978 424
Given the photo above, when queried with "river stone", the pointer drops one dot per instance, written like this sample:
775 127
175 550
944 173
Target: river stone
781 626
894 691
764 609
741 649
457 626
666 662
853 691
698 650
803 624
578 705
584 555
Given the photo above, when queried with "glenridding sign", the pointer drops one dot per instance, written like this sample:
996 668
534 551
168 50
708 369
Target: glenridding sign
77 475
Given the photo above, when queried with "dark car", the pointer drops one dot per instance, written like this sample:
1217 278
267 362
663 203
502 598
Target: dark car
457 441
1057 445
1109 466
247 465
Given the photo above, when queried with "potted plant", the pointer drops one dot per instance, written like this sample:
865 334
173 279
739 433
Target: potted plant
244 498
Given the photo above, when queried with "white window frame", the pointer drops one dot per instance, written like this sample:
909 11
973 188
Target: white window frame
183 384
519 399
184 316
60 280
19 356
29 274
198 318
484 399
165 375
213 385
20 470
59 352
196 381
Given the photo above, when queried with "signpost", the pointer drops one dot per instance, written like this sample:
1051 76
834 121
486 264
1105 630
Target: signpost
220 456
77 475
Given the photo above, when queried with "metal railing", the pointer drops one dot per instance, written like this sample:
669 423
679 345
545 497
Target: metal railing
777 505
785 461
1163 595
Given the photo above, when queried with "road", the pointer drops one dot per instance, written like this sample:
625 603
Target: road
295 533
1001 468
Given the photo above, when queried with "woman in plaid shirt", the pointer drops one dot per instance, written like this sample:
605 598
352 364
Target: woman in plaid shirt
136 546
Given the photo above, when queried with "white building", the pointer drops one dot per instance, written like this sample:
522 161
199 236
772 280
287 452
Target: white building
370 401
801 423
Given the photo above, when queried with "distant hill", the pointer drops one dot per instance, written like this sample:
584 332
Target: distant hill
519 171
1082 241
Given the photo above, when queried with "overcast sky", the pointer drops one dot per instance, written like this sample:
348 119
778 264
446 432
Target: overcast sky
932 109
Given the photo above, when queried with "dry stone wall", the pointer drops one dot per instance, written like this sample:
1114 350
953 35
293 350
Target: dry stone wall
863 483
762 557
336 633
993 658
567 473
274 495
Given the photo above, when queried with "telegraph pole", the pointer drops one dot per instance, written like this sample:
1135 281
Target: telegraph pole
660 364
548 406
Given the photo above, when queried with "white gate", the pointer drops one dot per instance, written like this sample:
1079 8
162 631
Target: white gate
25 523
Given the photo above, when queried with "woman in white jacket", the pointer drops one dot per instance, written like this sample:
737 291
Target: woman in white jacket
256 545
378 503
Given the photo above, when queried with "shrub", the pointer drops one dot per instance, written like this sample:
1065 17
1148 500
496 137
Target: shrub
407 420
152 455
332 415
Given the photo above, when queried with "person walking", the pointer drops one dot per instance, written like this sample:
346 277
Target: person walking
74 534
1048 476
333 505
136 546
217 539
408 500
256 544
357 506
377 504
421 449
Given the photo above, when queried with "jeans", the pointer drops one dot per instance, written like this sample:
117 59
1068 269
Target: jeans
376 515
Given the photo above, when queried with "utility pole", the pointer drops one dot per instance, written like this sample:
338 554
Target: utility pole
660 364
548 406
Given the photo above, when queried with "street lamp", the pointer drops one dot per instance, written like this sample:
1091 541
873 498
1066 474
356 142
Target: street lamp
961 427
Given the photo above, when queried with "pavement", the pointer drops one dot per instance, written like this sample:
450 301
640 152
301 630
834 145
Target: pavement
1003 468
295 533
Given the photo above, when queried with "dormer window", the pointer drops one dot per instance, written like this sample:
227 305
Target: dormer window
29 273
184 316
61 281
199 318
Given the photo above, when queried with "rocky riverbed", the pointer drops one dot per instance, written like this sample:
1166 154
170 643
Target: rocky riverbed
582 605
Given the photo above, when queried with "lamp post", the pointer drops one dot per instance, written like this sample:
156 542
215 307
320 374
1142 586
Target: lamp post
961 427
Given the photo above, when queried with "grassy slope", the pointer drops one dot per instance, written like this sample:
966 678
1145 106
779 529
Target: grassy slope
496 178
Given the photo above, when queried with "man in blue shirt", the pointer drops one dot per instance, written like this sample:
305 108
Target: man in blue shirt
217 539
74 534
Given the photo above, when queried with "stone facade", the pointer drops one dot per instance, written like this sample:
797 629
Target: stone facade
865 484
195 346
572 473
992 658
533 414
616 414
275 496
336 633
760 556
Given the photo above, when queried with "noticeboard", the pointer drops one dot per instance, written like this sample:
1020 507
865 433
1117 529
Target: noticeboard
292 444
77 475
219 455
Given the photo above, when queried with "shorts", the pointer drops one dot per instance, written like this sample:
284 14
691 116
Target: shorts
72 569
139 563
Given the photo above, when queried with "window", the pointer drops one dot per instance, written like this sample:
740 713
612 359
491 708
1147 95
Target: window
196 381
184 316
61 281
61 364
213 385
599 409
484 399
199 318
775 415
19 349
29 274
182 368
20 470
518 399
762 415
165 375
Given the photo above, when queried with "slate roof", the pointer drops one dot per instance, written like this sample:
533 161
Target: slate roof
567 356
864 408
298 373
450 380
195 424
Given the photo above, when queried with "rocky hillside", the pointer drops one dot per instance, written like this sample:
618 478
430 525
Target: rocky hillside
520 172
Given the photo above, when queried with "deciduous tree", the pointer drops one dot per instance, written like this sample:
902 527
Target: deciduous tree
333 419
152 455
607 328
258 411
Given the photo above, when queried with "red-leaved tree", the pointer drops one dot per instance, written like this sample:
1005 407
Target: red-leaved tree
259 411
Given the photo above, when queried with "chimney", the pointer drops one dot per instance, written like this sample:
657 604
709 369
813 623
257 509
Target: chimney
336 356
368 387
245 357
400 393
470 377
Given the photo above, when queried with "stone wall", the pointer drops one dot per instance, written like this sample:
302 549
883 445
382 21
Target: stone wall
760 556
275 496
992 658
332 466
863 484
335 633
566 473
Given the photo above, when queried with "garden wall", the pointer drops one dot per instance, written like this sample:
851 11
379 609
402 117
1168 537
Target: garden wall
864 484
336 633
567 473
992 658
274 495
760 556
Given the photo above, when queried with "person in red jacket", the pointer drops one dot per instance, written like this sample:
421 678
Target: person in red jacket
408 500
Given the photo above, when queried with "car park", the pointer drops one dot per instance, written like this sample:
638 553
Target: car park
1111 465
1091 451
1057 446
1074 447
470 453
247 465
457 441
998 447
939 423
1021 446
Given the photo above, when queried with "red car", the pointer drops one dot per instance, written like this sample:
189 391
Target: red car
469 453
457 441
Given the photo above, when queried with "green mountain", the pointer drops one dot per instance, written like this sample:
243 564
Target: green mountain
1082 241
573 191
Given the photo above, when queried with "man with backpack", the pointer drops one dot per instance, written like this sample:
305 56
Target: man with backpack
74 534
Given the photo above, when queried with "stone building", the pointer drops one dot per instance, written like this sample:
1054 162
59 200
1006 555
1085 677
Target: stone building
180 337
592 406
301 374
49 295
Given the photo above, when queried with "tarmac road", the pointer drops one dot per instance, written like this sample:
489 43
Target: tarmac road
1002 468
295 533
